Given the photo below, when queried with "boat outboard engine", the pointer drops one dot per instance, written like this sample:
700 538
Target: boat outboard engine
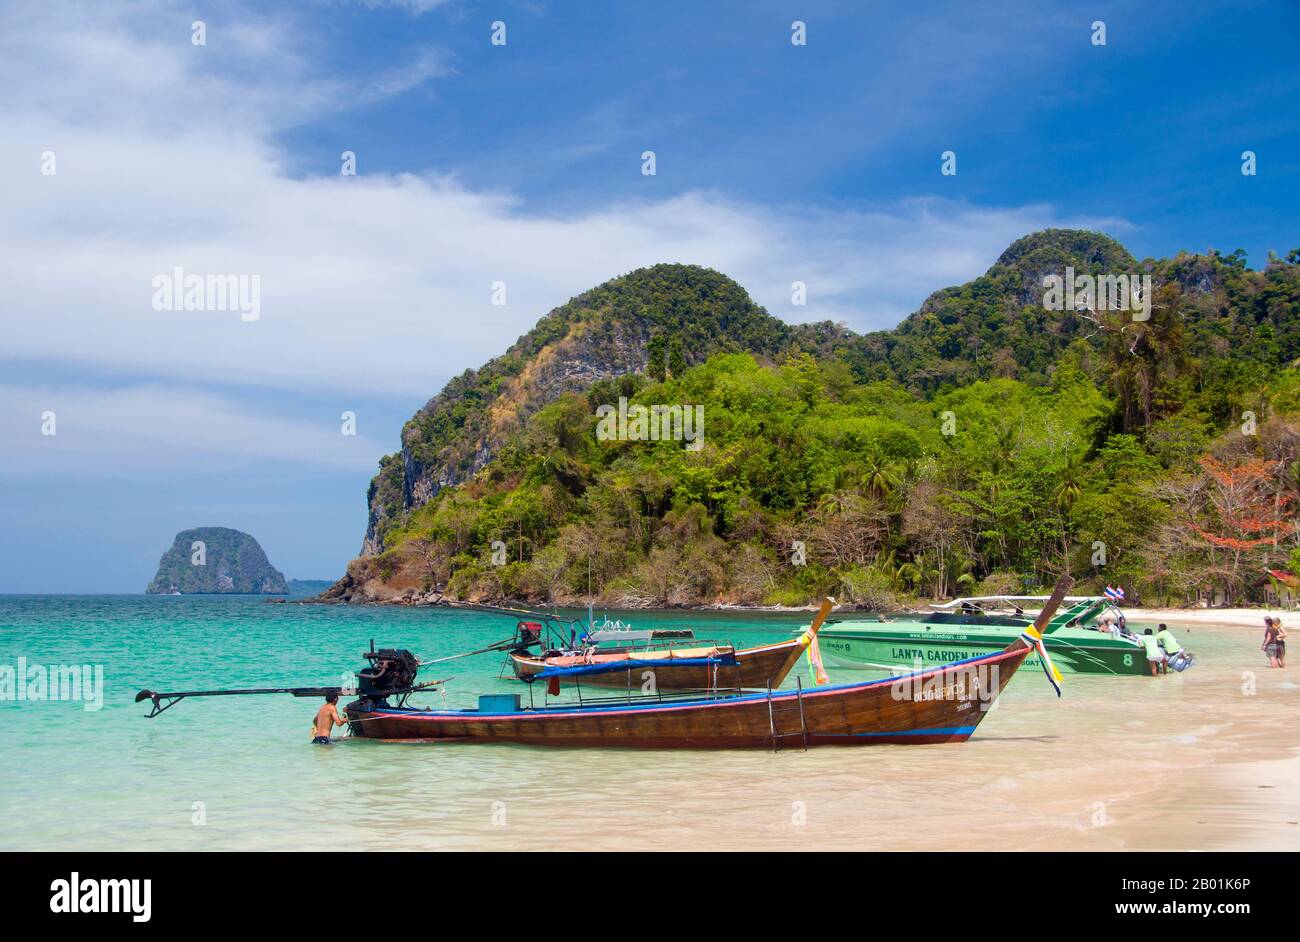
391 670
527 634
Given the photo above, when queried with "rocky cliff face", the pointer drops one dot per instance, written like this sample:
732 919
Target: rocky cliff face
604 333
216 560
570 364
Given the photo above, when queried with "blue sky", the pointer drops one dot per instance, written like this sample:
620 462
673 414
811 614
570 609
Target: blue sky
521 163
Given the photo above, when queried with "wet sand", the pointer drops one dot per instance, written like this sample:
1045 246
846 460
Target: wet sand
1207 759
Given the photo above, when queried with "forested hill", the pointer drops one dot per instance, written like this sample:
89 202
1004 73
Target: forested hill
988 440
995 325
675 315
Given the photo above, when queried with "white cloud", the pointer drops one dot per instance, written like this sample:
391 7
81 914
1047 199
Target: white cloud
372 283
153 429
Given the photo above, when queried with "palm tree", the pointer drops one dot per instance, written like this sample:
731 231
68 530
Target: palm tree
835 503
886 564
1068 491
920 572
878 477
958 570
1004 447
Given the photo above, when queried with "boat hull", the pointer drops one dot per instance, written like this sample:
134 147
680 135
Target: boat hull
905 649
945 704
754 667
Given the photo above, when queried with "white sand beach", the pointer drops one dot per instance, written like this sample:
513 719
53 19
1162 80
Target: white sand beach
1219 617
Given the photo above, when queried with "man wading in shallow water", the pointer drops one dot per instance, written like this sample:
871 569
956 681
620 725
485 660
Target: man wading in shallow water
327 717
1156 659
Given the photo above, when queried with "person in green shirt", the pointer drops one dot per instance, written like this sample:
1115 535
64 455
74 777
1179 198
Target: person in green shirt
1155 656
1168 641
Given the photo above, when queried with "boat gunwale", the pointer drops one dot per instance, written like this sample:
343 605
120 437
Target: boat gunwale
1106 642
703 703
758 649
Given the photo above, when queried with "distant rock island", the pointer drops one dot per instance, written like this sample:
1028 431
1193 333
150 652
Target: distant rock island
216 560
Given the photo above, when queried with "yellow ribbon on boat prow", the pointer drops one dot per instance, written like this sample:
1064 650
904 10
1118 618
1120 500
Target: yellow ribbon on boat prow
811 631
1042 651
1056 674
1033 635
809 640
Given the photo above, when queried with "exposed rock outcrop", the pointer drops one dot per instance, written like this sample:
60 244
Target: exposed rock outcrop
215 560
604 333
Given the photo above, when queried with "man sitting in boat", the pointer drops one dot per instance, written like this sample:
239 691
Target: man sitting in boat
1155 656
327 717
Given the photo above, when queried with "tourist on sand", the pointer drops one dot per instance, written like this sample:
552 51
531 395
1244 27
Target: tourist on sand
1274 641
1155 656
327 717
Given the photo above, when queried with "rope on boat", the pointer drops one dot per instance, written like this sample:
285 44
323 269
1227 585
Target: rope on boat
494 646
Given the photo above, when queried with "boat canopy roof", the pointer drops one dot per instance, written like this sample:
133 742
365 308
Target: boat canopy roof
1075 608
990 600
623 635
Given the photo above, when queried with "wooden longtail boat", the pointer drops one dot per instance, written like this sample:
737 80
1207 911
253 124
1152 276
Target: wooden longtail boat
943 704
713 667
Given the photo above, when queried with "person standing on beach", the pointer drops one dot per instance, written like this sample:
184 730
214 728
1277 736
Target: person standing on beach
1274 641
1155 656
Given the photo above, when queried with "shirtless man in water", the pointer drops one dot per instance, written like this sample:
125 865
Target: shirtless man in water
327 717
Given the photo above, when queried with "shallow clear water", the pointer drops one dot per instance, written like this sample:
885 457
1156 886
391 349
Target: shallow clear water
110 779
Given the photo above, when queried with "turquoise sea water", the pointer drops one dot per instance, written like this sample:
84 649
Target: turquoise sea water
240 773
110 778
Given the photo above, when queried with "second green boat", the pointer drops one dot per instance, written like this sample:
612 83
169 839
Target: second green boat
971 627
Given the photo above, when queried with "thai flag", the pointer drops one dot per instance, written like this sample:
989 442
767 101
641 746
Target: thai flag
1115 595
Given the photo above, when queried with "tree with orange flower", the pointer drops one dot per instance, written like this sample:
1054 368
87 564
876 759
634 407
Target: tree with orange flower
1246 507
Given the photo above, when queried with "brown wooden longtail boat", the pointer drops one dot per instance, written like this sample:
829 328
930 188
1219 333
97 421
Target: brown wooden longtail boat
710 667
943 704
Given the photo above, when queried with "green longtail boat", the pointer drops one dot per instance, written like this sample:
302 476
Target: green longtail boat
970 627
